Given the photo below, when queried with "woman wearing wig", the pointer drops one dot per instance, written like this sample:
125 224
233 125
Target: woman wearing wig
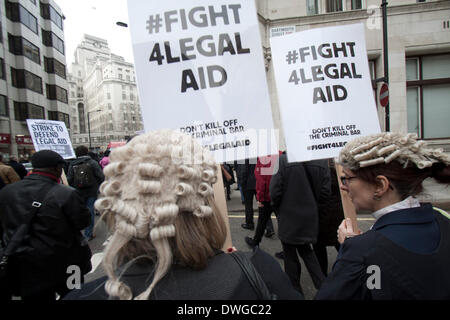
167 234
406 253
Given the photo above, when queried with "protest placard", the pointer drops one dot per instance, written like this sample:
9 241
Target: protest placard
200 70
51 135
324 90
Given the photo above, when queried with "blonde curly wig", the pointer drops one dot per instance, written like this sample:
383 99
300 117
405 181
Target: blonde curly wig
390 146
157 199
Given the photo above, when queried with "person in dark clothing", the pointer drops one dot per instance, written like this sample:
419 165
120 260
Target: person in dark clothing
18 167
167 234
53 242
249 190
294 190
228 178
90 191
331 215
405 255
238 168
263 173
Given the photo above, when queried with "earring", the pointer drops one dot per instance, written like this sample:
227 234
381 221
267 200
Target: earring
376 197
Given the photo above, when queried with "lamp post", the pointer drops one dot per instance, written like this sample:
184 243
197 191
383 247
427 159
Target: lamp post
89 126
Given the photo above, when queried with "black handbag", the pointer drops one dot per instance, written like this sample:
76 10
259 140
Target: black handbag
17 238
253 276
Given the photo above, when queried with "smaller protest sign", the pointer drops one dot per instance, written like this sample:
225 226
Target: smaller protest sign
51 135
324 90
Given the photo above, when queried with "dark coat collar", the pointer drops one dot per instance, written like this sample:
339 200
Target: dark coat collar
422 214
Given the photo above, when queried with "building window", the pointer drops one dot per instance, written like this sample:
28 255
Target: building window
81 120
428 93
334 5
120 76
312 7
23 47
49 13
59 116
2 69
357 4
56 93
15 12
50 39
373 77
3 106
25 110
54 66
26 80
108 96
124 96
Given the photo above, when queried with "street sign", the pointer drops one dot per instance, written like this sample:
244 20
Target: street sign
384 95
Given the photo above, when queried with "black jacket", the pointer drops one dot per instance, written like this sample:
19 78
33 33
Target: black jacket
405 256
295 190
222 279
19 168
248 175
98 173
54 237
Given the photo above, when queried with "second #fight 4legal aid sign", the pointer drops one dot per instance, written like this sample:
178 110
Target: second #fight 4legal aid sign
200 70
51 135
324 90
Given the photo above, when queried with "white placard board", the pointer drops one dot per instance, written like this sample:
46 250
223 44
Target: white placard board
51 135
200 70
324 90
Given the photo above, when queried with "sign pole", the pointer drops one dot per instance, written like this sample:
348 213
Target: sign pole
221 203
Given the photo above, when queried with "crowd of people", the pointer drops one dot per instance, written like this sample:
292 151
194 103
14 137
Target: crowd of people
168 235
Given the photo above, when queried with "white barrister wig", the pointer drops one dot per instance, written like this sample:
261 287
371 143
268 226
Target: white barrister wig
390 146
148 183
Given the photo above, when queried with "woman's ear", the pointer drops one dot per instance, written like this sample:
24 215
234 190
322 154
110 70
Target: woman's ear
382 185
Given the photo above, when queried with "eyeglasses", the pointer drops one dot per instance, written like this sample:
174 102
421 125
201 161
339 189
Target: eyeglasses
345 180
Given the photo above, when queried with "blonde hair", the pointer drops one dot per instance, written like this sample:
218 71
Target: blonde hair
157 198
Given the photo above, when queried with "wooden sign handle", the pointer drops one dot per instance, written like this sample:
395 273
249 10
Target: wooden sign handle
221 203
347 205
64 178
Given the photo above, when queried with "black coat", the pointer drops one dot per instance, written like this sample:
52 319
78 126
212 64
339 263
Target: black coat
248 175
54 237
222 279
331 213
293 191
19 168
98 173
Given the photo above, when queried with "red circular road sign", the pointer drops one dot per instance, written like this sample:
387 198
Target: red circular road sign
384 95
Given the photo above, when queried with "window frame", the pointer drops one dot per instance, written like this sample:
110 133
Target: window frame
5 104
24 111
55 92
49 67
17 13
49 39
20 79
18 46
420 83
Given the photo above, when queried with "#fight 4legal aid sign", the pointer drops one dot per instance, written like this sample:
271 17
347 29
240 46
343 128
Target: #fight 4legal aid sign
200 70
324 90
51 135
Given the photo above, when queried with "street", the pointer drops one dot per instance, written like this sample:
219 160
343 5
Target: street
236 217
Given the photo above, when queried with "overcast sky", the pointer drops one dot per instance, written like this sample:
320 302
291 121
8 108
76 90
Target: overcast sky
97 18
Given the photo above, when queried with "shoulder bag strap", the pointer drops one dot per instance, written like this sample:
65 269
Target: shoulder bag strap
252 275
22 230
445 214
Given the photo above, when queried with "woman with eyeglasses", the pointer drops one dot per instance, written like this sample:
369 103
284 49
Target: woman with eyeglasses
406 253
